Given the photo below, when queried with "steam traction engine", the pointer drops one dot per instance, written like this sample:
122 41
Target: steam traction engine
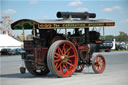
47 50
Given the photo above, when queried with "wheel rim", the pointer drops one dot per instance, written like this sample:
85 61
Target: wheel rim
80 68
65 59
99 64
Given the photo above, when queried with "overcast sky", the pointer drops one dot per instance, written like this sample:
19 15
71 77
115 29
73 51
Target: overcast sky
116 10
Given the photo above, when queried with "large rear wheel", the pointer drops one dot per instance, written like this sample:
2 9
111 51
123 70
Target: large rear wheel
98 64
62 58
32 69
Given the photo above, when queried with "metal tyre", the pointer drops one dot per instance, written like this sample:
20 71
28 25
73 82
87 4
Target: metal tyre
32 69
98 64
62 58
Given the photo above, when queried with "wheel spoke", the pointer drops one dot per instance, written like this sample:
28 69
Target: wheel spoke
100 59
71 56
70 60
101 67
60 51
68 53
57 60
57 54
101 64
70 64
63 50
66 67
68 50
96 60
61 68
96 68
58 66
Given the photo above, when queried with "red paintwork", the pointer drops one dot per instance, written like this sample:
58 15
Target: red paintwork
84 47
99 63
40 54
65 66
99 42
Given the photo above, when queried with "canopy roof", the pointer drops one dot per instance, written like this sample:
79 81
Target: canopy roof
7 41
61 23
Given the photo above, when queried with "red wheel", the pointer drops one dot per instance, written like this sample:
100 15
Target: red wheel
62 58
79 68
98 64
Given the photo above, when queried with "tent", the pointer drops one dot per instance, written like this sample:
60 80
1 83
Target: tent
9 42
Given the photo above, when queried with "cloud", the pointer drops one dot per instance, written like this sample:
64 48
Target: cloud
124 21
33 2
9 11
107 9
81 9
116 8
75 3
112 9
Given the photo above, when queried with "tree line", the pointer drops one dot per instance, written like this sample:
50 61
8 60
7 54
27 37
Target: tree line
122 37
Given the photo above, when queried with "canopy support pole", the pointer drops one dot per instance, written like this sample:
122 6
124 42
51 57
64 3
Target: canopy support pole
34 33
86 35
86 31
66 33
23 32
103 33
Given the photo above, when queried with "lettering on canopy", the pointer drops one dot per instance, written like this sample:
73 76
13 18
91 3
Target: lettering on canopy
75 25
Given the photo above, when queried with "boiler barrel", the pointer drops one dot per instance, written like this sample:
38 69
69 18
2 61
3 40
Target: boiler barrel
75 14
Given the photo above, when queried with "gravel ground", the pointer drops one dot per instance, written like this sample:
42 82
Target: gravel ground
116 73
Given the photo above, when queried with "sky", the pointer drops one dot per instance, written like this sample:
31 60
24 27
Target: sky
116 10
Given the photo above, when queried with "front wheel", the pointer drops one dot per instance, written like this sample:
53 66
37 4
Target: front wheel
22 70
62 58
98 64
